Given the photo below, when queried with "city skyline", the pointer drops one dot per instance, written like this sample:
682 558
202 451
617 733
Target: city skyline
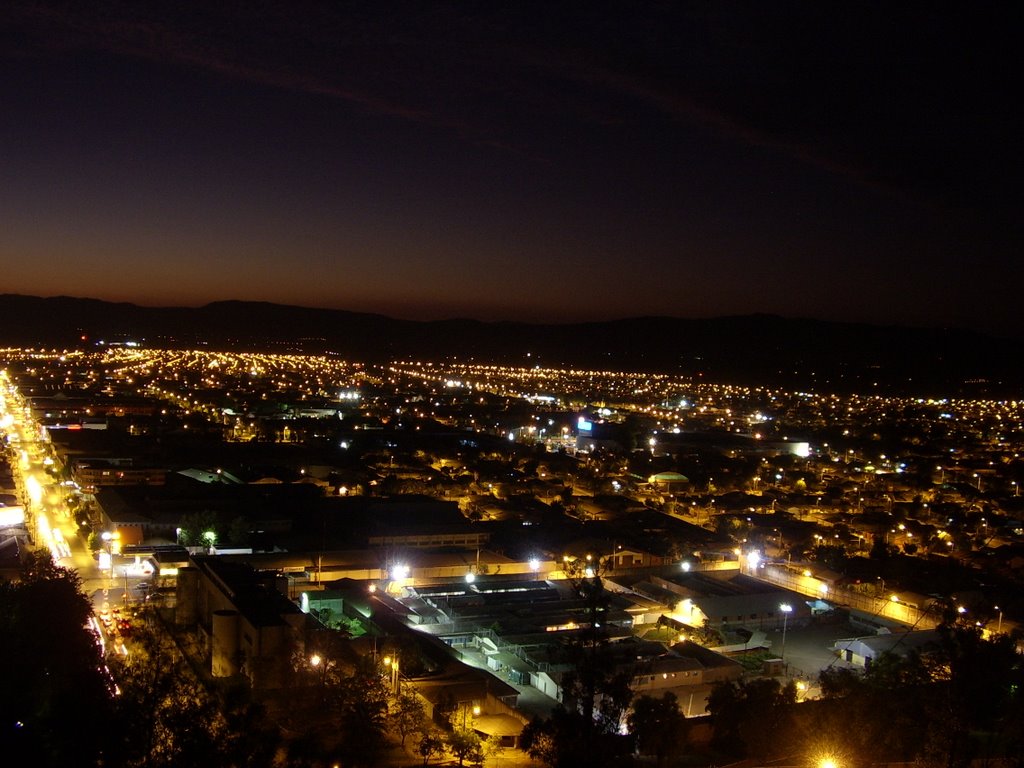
544 165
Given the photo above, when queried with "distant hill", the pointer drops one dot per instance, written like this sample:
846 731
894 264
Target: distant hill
754 349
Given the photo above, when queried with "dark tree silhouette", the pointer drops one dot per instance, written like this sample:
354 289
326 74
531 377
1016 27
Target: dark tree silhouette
56 696
658 726
596 692
753 718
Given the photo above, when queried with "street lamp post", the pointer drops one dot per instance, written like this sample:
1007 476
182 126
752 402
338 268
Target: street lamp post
465 710
999 624
392 665
108 541
786 609
319 665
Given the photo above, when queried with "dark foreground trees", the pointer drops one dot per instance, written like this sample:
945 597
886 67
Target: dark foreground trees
946 703
957 700
753 718
54 691
339 713
585 730
61 705
659 727
164 716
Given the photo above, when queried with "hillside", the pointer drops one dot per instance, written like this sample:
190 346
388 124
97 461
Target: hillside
754 349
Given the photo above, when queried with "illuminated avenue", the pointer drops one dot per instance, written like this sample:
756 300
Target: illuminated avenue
728 521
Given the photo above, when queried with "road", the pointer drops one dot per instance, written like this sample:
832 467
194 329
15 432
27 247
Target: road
49 522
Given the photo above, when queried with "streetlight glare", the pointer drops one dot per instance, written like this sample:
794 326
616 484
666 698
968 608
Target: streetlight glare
399 572
786 609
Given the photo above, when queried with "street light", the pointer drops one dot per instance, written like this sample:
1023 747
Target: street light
319 667
999 625
465 710
786 609
392 665
107 563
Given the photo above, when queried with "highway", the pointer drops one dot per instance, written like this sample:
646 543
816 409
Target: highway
48 520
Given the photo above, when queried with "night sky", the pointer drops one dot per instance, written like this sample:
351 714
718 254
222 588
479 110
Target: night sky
523 161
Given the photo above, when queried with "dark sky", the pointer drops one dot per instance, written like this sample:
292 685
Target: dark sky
528 161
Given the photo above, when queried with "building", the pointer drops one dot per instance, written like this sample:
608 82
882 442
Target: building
93 474
242 617
862 651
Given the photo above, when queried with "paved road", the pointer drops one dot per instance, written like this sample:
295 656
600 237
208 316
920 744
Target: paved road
809 649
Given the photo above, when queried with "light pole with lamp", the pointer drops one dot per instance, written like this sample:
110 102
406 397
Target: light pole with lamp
109 540
999 625
396 681
319 666
786 609
465 710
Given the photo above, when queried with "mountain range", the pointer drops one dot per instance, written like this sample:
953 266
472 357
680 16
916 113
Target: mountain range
767 350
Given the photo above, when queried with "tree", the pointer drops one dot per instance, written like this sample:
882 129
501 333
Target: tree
444 709
596 687
344 707
164 717
595 692
879 549
430 745
238 531
360 701
658 726
252 740
564 741
465 743
56 706
752 717
538 739
408 715
493 746
886 700
195 525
